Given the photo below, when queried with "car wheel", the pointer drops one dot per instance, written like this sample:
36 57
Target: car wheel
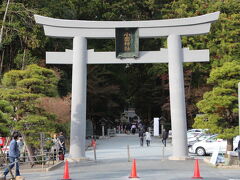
200 151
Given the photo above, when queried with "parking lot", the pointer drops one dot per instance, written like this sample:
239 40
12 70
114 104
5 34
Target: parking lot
201 143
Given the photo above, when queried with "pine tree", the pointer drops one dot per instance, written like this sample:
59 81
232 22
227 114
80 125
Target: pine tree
6 111
219 107
22 88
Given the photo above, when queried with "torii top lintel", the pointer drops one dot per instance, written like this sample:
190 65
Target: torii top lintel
106 29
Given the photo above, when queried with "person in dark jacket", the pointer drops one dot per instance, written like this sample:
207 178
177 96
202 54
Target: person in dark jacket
14 154
141 136
164 137
62 142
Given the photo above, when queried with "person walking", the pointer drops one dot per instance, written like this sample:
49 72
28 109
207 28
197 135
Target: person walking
14 154
141 136
62 142
148 138
133 129
164 137
128 128
55 147
21 147
140 126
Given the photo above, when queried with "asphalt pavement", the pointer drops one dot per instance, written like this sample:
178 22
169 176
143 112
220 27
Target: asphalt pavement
152 163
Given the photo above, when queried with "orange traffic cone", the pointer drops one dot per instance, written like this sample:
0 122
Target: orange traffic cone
134 170
66 173
196 171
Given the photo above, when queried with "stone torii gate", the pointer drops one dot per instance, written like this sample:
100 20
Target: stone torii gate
175 55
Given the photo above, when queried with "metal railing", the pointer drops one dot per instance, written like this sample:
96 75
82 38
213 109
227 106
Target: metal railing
47 158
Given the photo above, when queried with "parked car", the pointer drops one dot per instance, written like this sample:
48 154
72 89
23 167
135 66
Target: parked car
197 138
193 133
211 144
196 130
190 133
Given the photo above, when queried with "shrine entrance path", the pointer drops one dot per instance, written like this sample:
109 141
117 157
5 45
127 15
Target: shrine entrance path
112 164
115 148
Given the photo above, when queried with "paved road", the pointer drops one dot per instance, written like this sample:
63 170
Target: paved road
116 149
112 164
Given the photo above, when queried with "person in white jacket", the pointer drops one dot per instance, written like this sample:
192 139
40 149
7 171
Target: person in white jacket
148 137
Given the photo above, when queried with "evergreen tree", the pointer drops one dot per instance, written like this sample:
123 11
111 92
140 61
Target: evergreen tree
22 88
220 106
6 111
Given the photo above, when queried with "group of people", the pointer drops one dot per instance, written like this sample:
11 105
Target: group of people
147 136
131 127
17 147
58 146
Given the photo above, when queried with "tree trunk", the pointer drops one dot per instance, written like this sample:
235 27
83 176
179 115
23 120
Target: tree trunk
1 62
23 60
230 144
4 19
1 34
29 150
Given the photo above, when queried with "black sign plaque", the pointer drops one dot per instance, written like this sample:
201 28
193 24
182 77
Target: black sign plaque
127 43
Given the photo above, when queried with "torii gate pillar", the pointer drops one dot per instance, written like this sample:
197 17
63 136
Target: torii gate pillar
79 90
177 97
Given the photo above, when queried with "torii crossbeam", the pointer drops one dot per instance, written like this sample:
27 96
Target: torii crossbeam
175 55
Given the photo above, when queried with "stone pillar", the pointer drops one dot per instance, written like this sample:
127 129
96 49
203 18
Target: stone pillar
177 98
79 90
156 126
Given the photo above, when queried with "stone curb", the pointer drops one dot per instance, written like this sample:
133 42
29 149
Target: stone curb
55 166
207 160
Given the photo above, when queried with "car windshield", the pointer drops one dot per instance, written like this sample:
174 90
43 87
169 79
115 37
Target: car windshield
203 136
212 138
192 134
